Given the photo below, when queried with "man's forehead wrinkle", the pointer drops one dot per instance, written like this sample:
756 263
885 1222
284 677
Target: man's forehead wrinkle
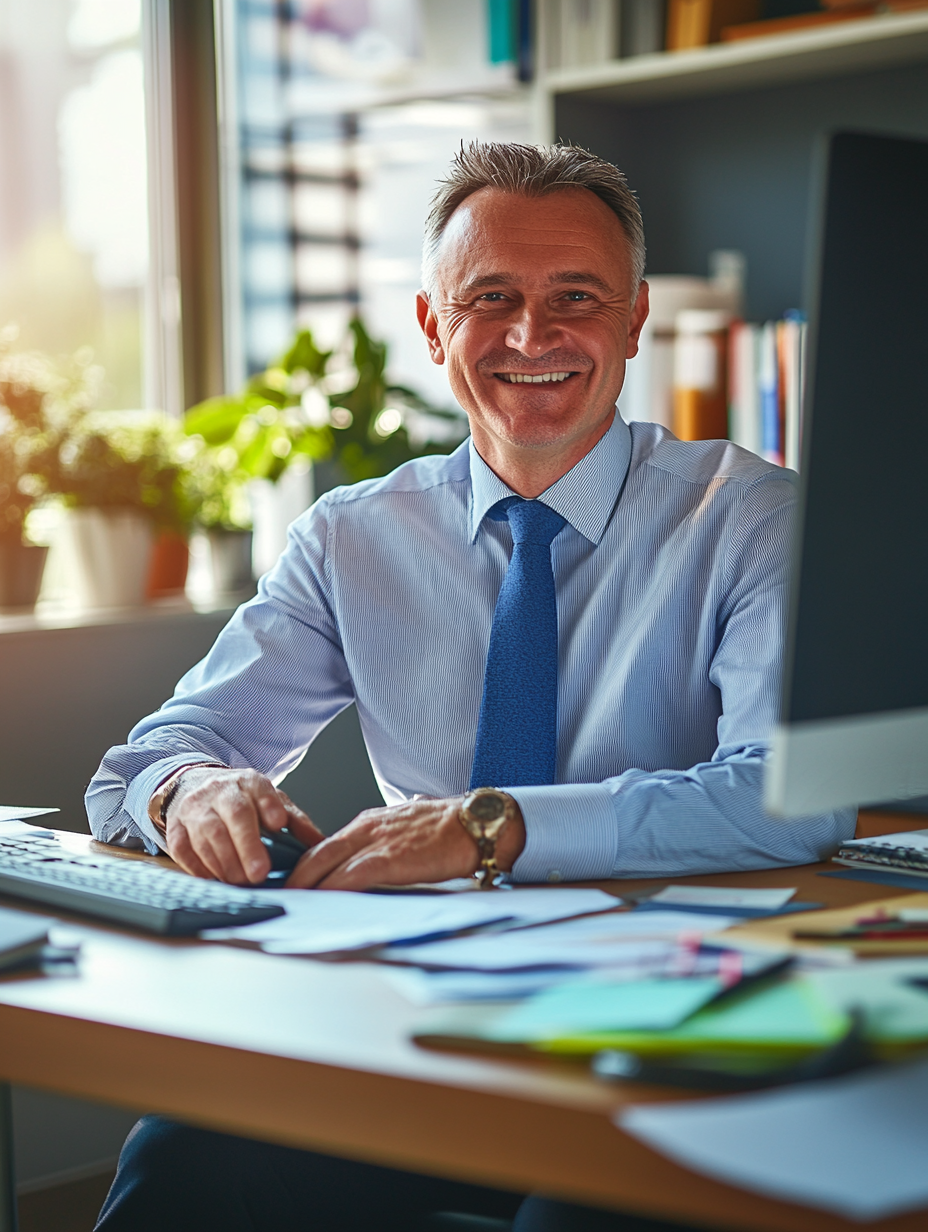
566 278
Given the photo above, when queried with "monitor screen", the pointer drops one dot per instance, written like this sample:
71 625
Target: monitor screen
853 725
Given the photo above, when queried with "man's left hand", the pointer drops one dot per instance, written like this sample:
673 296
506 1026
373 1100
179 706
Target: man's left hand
421 840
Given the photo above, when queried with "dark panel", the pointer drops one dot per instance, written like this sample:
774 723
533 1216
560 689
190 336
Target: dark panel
858 634
734 171
196 150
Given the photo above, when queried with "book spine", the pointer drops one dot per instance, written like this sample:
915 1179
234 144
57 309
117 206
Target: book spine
688 24
770 394
744 401
794 331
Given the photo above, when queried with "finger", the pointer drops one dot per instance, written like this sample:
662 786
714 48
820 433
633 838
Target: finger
362 872
272 811
213 844
299 824
203 850
181 852
220 842
238 812
325 857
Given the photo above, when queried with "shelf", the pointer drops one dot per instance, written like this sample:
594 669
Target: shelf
852 46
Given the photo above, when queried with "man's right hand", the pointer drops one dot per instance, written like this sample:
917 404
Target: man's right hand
214 820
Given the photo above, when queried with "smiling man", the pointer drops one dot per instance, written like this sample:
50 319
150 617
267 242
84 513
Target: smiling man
563 642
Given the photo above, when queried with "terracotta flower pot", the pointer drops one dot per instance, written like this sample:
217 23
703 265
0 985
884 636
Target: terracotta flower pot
21 569
167 574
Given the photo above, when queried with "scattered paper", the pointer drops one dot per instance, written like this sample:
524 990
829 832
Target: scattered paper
334 921
721 897
583 1008
914 840
630 940
893 1008
444 987
11 819
854 1145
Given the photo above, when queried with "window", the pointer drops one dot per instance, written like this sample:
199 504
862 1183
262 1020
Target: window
73 212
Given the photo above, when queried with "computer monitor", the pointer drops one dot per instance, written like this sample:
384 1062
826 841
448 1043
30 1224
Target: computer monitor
853 726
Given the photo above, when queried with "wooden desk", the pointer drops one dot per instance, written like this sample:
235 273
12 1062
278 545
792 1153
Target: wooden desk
317 1055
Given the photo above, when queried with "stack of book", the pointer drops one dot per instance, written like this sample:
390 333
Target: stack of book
766 379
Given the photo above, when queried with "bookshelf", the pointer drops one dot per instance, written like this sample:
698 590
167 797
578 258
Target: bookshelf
879 42
722 143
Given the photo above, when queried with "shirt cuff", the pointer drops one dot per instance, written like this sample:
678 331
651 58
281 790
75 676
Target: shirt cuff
570 833
144 786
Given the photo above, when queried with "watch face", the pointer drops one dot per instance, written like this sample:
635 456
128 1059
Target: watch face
486 807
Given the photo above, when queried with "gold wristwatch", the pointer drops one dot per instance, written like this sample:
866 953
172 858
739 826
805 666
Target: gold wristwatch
484 813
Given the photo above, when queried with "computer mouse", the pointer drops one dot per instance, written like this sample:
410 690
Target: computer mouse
285 850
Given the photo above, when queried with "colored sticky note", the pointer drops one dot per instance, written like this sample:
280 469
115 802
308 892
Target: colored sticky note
581 1007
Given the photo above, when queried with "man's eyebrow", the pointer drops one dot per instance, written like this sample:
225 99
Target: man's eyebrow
568 277
581 276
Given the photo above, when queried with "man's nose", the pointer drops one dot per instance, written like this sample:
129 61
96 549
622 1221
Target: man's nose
533 331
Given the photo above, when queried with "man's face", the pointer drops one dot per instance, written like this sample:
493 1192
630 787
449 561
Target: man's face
533 316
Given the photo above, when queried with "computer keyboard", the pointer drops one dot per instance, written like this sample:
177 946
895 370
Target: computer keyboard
39 867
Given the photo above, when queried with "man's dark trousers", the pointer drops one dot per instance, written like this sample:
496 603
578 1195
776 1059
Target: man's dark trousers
174 1178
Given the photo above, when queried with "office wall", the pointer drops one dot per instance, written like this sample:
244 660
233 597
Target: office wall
735 171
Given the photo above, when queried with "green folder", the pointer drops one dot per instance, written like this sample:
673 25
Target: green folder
787 1019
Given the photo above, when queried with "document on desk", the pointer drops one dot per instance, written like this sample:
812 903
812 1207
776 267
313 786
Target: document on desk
720 898
335 921
632 940
855 1145
12 817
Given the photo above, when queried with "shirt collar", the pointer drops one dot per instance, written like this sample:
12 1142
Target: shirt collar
585 496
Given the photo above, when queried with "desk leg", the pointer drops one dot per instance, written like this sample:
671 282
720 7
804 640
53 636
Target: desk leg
8 1217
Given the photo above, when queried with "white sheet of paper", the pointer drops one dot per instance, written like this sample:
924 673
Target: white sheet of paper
721 897
855 1145
893 1007
634 940
443 987
332 921
915 840
10 814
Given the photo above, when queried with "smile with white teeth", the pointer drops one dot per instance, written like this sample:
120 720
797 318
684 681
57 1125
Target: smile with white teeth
524 378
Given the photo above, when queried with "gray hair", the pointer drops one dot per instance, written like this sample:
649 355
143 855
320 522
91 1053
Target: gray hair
532 171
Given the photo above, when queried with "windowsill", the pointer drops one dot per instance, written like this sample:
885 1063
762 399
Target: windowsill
61 616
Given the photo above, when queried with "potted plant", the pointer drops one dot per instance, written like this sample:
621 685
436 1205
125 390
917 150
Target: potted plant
36 400
334 408
219 489
122 480
21 562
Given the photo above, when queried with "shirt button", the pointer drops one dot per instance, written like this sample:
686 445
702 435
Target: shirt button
554 874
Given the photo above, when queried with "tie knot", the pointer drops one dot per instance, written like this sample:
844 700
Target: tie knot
531 520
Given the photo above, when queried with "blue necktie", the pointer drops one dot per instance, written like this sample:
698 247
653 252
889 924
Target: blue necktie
517 728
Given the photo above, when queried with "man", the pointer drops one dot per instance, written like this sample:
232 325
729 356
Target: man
583 616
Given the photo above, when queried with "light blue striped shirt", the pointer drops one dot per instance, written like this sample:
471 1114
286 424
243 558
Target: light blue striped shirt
671 580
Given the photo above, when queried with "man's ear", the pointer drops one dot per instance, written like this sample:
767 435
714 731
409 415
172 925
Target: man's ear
636 320
428 323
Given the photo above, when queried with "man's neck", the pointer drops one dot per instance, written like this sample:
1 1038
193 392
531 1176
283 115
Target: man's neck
531 471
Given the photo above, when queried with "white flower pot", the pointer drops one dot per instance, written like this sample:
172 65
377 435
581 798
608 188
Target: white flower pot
111 552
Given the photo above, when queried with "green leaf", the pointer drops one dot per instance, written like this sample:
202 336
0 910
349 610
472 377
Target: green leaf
216 419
